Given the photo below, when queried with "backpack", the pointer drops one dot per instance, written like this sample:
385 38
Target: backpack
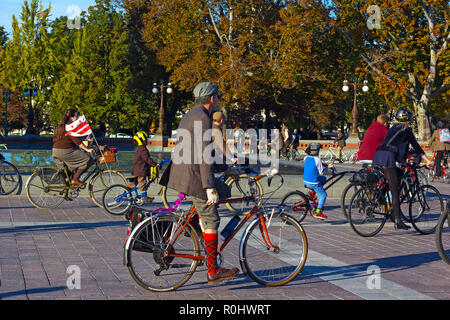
444 135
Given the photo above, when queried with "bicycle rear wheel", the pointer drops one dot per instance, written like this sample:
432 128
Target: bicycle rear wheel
367 211
425 208
102 181
150 259
242 187
46 188
9 178
117 199
297 205
443 236
278 264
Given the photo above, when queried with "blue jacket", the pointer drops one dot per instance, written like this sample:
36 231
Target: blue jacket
313 169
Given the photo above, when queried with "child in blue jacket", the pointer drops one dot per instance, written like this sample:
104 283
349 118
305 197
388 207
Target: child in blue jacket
313 177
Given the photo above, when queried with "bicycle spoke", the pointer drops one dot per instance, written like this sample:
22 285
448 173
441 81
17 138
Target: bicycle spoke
150 255
280 262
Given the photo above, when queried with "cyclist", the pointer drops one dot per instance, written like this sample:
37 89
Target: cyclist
66 150
393 149
313 177
191 174
372 139
142 164
439 147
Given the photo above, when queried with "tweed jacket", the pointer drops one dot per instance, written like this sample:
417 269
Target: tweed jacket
189 172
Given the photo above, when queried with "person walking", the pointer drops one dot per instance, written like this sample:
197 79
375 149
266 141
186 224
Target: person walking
436 145
194 176
340 140
393 149
372 139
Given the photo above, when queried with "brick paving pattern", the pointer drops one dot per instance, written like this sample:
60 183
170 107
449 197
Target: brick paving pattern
37 247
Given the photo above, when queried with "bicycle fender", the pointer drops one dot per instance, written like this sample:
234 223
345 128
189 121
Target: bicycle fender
131 235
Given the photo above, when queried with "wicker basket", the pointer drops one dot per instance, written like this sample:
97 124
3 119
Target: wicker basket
108 157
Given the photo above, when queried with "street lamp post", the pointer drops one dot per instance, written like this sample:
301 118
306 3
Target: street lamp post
6 98
345 88
161 112
30 92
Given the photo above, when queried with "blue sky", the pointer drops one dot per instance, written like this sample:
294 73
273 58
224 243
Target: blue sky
59 8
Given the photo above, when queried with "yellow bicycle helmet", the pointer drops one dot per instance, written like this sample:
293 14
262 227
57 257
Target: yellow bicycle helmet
140 138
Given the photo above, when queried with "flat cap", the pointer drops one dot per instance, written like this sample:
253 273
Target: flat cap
206 89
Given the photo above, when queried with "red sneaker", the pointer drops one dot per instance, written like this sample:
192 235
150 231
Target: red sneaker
319 215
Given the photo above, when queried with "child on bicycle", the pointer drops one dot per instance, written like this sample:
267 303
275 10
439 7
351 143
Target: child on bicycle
313 177
142 163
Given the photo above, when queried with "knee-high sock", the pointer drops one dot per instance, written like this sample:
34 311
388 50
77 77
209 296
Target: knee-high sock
211 241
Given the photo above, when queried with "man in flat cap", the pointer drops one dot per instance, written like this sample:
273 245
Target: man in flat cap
194 176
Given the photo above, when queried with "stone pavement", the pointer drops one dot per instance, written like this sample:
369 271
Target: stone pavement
40 250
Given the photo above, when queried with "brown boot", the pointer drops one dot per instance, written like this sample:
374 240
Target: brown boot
221 275
77 183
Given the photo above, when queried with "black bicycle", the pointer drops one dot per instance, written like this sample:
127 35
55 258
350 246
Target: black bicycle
10 179
370 207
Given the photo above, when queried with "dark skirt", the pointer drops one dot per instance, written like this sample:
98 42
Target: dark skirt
384 159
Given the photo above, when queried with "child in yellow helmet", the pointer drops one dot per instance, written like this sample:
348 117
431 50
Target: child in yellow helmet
142 163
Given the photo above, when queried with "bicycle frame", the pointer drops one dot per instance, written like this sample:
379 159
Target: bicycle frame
181 227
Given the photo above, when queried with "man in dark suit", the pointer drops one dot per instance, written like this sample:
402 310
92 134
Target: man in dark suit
192 172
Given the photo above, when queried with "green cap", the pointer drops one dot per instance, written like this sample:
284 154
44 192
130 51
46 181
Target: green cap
206 89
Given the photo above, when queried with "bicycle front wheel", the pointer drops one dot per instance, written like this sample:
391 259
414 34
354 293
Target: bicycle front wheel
242 187
117 199
425 208
274 252
9 178
102 181
443 236
367 212
347 195
297 205
46 188
151 254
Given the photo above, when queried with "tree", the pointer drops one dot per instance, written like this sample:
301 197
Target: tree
3 37
26 60
407 54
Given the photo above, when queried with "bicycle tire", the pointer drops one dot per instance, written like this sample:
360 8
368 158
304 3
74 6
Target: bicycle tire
41 193
373 216
257 258
328 157
102 181
9 178
442 236
300 211
145 249
243 207
422 217
345 196
110 202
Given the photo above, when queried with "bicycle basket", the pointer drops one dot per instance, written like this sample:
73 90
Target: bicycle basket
108 157
364 176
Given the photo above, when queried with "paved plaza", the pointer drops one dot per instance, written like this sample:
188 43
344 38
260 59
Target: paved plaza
42 249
